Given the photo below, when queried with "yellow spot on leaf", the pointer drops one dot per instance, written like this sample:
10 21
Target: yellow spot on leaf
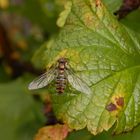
73 56
70 54
88 17
117 100
60 55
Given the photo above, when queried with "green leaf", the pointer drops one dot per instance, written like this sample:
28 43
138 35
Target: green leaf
105 54
39 59
80 135
85 135
20 115
132 20
63 15
113 5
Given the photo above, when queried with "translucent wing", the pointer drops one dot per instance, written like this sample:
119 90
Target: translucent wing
43 80
77 83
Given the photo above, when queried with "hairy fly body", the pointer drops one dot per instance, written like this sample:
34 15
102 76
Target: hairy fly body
61 79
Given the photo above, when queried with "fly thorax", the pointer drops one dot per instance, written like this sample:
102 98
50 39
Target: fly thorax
61 66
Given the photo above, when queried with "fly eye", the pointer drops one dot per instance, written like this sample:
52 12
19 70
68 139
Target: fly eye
62 60
58 60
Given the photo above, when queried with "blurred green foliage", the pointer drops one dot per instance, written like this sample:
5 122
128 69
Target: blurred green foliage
20 114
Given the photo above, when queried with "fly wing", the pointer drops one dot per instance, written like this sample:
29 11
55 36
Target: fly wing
43 80
77 83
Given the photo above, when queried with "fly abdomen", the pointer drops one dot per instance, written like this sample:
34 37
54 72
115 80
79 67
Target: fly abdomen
60 83
60 90
61 79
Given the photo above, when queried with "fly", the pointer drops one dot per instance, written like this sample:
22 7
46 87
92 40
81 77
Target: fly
62 74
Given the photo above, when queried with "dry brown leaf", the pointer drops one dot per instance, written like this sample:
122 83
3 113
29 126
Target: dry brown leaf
53 132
